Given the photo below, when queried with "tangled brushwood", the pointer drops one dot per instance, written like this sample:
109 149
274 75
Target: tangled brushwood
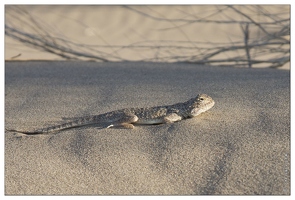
264 39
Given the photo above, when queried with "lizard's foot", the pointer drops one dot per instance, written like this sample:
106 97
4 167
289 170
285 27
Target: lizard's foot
173 117
126 122
128 126
125 125
110 126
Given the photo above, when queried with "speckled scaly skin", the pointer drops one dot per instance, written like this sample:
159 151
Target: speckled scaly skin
129 116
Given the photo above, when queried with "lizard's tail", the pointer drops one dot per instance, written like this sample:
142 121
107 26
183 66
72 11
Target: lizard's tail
77 123
24 132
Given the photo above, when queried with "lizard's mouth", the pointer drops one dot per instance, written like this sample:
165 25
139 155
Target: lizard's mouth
204 108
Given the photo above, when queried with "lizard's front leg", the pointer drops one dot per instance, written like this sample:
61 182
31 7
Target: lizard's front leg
173 117
125 121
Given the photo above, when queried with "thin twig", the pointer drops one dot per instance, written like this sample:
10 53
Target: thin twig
246 40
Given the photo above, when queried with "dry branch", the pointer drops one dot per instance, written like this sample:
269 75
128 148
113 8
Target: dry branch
269 46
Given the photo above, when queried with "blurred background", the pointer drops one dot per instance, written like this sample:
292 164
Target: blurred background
229 35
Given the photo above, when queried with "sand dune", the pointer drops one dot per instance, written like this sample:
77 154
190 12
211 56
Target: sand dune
241 146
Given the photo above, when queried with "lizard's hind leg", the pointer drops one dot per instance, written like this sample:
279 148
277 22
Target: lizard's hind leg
125 121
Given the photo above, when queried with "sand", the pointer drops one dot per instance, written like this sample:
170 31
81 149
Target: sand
240 146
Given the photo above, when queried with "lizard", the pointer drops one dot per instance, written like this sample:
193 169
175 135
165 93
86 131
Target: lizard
129 117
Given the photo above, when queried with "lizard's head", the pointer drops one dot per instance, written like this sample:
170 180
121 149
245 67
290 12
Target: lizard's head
201 104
